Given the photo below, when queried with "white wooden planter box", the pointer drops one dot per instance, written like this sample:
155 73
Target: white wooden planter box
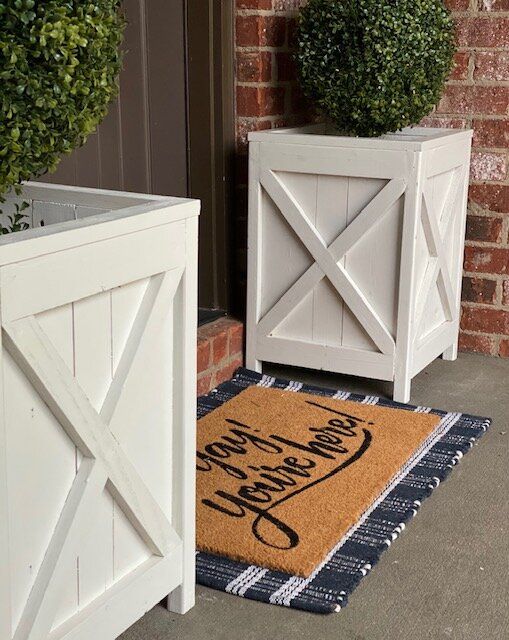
355 250
97 431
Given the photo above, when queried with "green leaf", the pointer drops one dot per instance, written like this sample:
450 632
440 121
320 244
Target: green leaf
374 66
59 64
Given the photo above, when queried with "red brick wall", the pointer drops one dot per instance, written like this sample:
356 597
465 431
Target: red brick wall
220 352
477 96
267 93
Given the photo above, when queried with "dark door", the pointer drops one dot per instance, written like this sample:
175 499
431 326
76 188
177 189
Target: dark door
170 132
142 144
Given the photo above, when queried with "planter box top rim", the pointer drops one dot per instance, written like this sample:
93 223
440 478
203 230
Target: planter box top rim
411 138
112 213
92 197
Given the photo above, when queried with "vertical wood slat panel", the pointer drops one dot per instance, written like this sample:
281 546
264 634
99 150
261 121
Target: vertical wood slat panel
129 550
201 131
111 149
57 324
299 324
38 487
142 143
211 138
277 238
437 187
166 85
5 551
360 262
134 112
92 358
88 163
374 261
331 220
144 431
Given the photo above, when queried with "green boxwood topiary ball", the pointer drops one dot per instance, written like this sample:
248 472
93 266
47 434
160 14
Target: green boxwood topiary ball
375 66
59 62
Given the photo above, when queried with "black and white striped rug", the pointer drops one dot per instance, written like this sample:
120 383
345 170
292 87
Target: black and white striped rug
327 589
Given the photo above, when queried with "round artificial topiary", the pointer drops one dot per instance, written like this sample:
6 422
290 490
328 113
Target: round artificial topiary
375 66
59 62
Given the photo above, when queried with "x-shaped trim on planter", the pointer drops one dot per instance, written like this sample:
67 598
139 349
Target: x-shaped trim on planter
327 258
104 462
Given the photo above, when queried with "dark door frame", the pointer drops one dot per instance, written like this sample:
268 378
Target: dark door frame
211 139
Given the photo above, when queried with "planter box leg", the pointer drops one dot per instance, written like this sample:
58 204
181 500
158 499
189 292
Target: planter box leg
184 471
451 353
254 365
402 386
182 599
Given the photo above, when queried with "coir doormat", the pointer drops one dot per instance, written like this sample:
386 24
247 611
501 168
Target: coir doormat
288 474
346 508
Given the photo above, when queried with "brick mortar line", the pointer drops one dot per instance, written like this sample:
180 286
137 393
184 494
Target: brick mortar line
293 13
490 183
479 13
265 84
503 182
259 45
433 115
493 277
273 51
480 86
467 116
496 306
474 13
486 213
480 49
273 47
477 83
505 228
265 48
280 13
471 50
484 244
500 150
254 119
469 332
467 82
470 66
484 117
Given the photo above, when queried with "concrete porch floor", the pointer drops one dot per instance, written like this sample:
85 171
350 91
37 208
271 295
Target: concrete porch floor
447 576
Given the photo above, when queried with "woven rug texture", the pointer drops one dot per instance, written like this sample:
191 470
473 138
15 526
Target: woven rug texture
327 588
